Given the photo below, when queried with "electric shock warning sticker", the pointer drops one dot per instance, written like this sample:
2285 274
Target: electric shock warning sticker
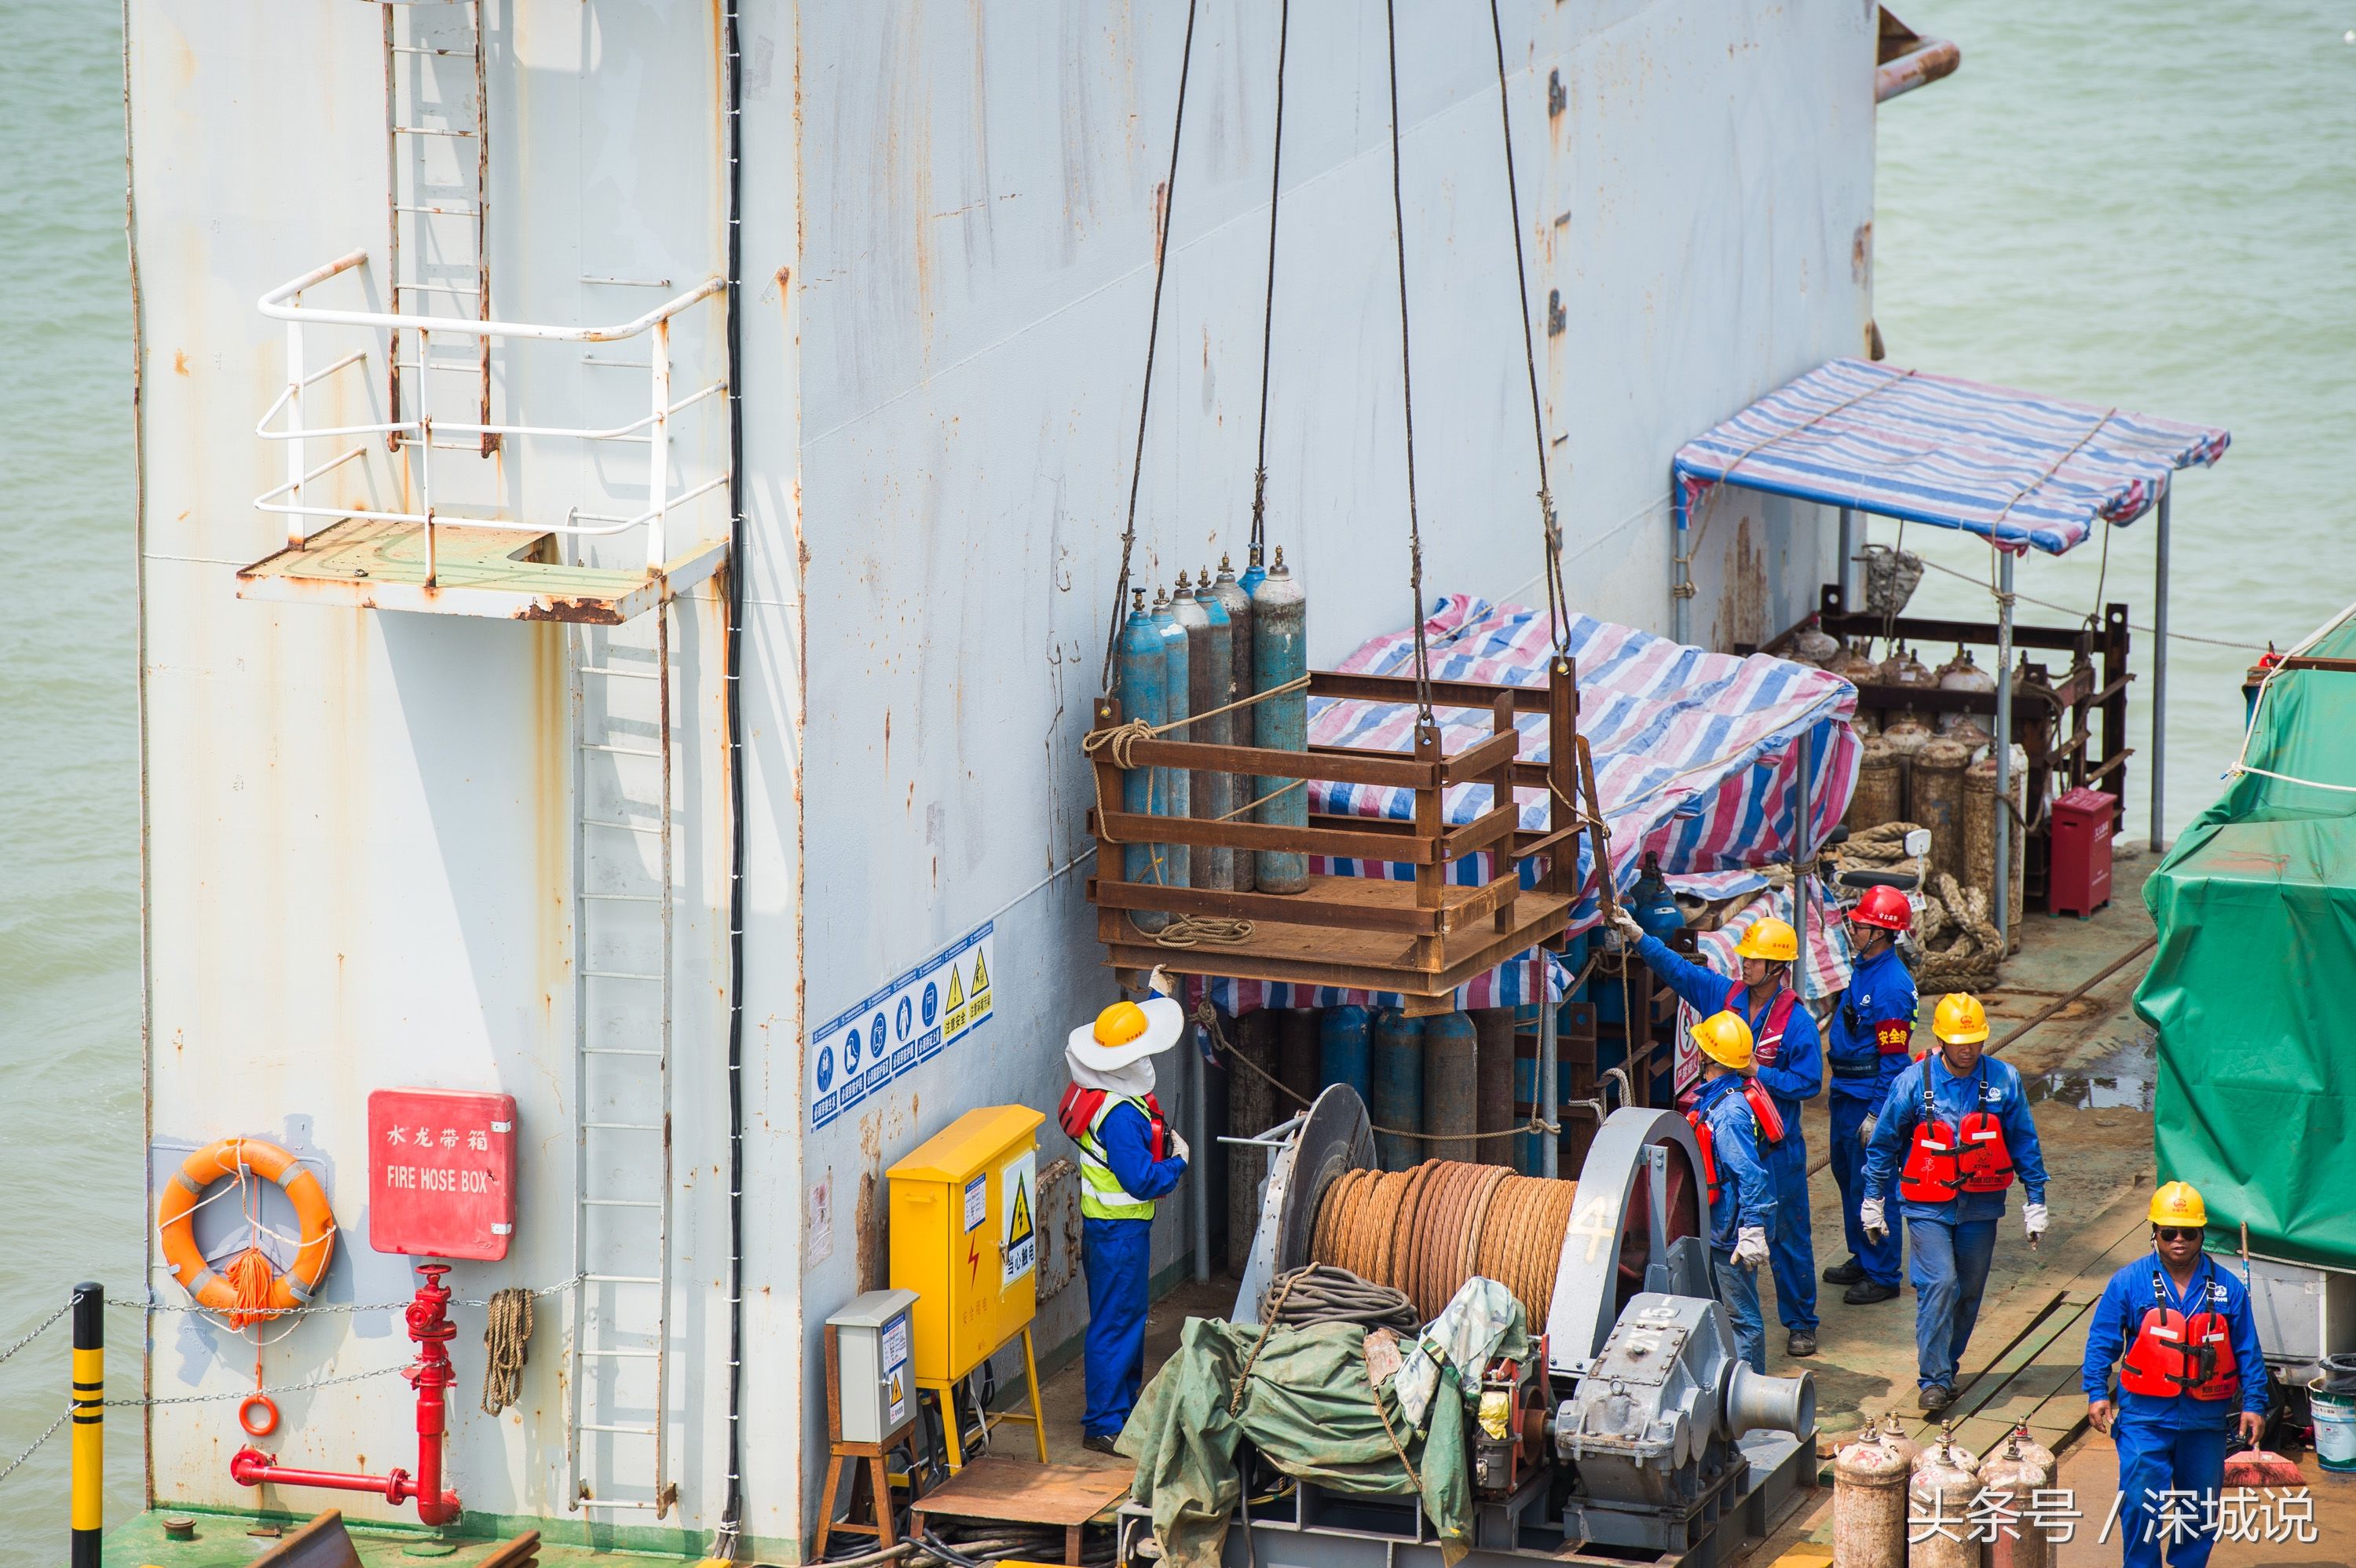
1017 1231
903 1025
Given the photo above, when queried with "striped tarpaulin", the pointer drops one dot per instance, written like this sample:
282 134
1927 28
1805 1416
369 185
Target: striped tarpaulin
2021 469
1695 759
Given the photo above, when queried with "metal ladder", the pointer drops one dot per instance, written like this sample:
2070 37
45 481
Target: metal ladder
436 244
623 903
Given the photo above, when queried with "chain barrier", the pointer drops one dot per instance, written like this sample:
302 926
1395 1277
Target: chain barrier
10 1468
39 1329
285 1391
150 1304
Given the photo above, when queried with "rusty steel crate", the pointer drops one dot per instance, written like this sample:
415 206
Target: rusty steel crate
1420 938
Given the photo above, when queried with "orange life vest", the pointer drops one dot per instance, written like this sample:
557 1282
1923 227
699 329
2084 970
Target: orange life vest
1076 1113
1947 1160
1766 1046
2174 1354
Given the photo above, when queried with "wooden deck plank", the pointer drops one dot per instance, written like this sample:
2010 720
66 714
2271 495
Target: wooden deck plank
995 1487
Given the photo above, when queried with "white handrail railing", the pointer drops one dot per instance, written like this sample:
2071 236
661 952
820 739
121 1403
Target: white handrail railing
652 430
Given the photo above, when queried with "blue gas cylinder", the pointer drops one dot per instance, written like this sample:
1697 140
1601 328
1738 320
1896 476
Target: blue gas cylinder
1653 905
1344 1049
1397 1099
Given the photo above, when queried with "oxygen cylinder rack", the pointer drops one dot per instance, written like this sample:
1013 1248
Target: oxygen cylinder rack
1415 933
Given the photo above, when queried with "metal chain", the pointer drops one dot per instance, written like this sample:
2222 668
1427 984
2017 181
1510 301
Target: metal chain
1425 724
1550 533
44 1438
1152 340
39 1329
285 1391
1268 307
150 1304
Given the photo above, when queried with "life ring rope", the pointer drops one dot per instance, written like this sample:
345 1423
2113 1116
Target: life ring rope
253 1287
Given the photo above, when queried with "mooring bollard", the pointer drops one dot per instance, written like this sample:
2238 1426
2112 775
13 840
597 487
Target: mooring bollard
89 1405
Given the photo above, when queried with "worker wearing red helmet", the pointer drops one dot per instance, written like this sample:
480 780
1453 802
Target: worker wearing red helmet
1872 1026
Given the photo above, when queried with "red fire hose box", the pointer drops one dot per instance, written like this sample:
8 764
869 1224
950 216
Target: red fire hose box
2078 877
442 1173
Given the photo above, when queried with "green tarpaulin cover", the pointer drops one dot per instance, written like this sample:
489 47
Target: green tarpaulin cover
1309 1408
2251 986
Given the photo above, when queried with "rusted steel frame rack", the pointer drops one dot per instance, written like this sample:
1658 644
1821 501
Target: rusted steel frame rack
2095 682
1421 937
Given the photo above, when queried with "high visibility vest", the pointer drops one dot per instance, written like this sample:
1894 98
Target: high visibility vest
2174 1354
1765 1047
1102 1197
1947 1158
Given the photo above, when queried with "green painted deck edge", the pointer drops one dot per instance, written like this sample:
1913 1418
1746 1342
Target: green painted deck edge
145 1535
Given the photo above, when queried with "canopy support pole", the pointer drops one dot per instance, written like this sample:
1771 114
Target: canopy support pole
1198 1091
1845 573
1549 1106
1803 822
1681 588
2159 678
2001 897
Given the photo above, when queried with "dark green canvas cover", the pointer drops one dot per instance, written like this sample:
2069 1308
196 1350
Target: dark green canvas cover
2252 984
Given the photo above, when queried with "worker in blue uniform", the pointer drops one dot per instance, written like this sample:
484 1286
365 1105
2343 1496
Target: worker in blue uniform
1130 1156
2192 1376
1952 1135
1871 1029
1789 1062
1740 1192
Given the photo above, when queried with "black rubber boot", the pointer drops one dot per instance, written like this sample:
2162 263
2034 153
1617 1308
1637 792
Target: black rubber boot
1848 1273
1936 1398
1866 1292
1801 1343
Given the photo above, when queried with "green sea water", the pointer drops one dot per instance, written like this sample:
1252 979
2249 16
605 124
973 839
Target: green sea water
2148 204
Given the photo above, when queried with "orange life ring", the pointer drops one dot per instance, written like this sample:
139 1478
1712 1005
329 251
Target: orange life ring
177 1234
263 1424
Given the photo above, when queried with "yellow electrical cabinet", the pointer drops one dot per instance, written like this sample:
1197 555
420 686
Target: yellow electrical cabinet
965 1238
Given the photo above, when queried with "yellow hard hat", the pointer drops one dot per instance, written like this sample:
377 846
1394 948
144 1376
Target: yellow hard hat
1960 1020
1771 939
1725 1039
1126 1031
2178 1204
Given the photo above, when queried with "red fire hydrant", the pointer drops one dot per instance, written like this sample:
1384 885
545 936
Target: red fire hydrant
430 1374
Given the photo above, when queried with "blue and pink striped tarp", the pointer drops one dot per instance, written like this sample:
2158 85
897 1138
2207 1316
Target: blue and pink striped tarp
2008 465
1696 760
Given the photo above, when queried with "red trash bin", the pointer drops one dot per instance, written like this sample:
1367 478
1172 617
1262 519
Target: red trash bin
2078 874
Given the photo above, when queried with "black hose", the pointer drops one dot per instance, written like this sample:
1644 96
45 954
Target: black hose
1321 1293
732 1510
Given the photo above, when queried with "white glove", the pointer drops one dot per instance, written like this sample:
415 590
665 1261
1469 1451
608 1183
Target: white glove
1625 925
1157 982
2032 1215
1178 1146
1865 1129
1869 1219
1751 1246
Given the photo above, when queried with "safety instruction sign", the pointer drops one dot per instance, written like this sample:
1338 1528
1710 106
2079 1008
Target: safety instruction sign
903 1024
1018 1230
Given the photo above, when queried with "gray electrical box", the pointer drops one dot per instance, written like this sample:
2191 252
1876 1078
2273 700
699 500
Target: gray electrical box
876 1392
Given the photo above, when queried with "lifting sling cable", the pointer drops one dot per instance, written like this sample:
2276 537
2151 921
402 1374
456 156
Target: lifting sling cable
1550 532
1427 727
1152 337
1268 306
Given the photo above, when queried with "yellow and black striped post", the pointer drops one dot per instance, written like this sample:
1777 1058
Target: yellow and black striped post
89 1423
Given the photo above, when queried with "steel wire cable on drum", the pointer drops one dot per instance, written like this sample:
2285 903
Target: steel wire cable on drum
1425 1231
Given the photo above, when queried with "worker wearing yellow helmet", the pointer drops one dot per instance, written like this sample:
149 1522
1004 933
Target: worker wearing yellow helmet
1788 1061
1130 1156
1952 1135
2191 1377
1736 1186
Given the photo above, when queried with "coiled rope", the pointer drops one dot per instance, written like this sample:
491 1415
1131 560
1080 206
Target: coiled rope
507 1330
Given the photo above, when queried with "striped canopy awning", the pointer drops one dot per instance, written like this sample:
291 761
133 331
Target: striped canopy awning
2010 466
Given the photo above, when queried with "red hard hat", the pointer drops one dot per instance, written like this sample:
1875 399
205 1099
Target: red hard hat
1884 907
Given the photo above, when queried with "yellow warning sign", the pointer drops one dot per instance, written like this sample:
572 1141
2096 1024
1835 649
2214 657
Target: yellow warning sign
1019 1238
954 1023
981 1003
